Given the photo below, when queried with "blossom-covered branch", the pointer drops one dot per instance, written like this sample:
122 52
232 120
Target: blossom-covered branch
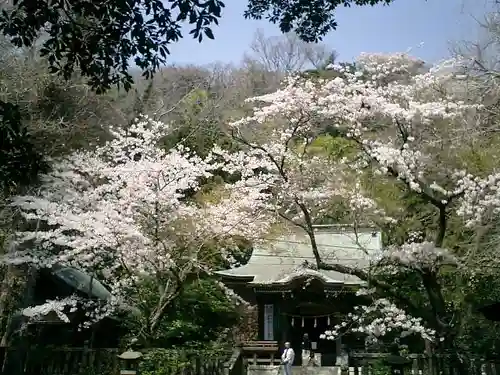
389 109
381 318
126 211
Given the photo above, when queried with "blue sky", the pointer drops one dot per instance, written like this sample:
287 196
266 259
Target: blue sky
394 28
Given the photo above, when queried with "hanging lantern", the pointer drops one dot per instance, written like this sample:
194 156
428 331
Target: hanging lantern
302 322
315 322
328 320
292 320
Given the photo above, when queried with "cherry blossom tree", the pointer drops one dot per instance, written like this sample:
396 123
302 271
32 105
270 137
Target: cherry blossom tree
129 211
396 116
128 214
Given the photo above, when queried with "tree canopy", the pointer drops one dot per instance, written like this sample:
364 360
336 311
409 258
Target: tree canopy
101 39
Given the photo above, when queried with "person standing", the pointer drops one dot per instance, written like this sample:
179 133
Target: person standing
287 358
306 345
307 352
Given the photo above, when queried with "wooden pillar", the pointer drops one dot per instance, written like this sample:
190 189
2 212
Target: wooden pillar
428 351
277 323
260 319
338 348
287 334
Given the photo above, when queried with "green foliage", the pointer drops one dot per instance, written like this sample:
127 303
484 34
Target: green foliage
100 38
197 126
319 74
477 335
199 315
482 156
311 20
335 147
380 368
20 162
59 115
167 362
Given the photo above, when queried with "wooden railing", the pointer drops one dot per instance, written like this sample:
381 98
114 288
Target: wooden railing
235 365
261 352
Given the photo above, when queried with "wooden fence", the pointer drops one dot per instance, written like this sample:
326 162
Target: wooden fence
83 361
259 355
60 361
420 364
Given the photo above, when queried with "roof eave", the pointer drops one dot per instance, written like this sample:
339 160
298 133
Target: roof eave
228 276
286 284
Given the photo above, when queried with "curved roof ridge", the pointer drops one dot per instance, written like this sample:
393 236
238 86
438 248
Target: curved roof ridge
278 261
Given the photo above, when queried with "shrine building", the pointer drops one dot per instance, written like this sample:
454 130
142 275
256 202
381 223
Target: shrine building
294 298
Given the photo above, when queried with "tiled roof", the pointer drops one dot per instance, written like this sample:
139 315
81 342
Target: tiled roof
280 260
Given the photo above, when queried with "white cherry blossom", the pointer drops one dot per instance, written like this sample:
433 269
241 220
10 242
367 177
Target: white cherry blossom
126 211
381 318
388 108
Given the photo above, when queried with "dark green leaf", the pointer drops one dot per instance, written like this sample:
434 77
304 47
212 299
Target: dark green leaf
208 33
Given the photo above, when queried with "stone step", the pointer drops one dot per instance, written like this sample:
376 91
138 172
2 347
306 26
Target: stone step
299 370
296 370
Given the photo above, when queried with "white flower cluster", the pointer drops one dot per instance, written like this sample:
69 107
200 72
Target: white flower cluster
381 318
407 163
121 211
93 311
367 207
394 95
232 296
58 307
481 197
365 292
420 255
389 67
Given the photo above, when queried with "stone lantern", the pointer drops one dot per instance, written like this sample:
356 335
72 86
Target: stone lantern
130 362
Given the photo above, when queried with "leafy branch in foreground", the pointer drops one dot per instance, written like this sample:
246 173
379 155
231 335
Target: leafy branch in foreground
100 39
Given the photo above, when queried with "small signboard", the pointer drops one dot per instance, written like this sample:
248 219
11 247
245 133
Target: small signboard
268 322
